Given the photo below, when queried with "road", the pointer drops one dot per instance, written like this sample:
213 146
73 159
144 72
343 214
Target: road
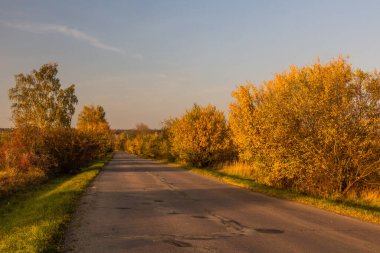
137 205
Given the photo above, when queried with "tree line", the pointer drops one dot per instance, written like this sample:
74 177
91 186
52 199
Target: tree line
314 129
43 143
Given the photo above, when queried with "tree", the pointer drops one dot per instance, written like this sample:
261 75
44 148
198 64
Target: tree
92 123
39 101
200 137
92 118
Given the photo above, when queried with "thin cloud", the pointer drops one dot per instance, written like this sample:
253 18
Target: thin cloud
64 30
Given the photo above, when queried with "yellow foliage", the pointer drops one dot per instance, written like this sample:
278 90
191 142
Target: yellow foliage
315 129
200 137
12 180
92 118
92 121
150 145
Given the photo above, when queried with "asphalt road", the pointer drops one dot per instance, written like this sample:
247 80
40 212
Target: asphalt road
137 205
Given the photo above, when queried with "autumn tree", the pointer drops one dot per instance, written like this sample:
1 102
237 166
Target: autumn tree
92 118
200 137
93 124
39 101
315 129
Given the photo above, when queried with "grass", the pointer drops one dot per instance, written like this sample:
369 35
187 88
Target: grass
35 220
363 210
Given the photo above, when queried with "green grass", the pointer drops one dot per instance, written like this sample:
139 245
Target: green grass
353 208
35 220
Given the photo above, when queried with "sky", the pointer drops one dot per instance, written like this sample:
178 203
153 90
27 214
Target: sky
149 60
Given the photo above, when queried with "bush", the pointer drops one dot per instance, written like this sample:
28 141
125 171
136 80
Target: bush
200 137
12 180
315 129
56 150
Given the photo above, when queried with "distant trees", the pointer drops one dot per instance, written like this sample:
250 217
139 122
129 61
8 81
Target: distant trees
119 141
315 129
200 137
39 101
149 145
142 128
145 142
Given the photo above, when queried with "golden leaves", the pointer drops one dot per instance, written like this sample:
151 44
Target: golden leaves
313 128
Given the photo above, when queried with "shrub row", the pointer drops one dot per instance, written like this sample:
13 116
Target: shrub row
30 155
314 129
56 150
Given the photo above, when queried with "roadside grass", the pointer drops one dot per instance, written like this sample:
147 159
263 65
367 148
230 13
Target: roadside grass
359 209
34 220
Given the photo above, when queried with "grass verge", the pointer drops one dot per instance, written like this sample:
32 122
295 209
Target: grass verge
356 209
35 220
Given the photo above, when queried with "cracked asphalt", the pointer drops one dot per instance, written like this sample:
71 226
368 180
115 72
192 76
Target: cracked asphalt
137 205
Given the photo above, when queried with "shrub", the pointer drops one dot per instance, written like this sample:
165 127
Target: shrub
12 180
56 150
200 137
315 129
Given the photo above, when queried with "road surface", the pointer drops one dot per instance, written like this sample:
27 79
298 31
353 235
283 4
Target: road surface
137 205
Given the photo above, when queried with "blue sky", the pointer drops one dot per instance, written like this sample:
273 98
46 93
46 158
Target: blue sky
146 61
